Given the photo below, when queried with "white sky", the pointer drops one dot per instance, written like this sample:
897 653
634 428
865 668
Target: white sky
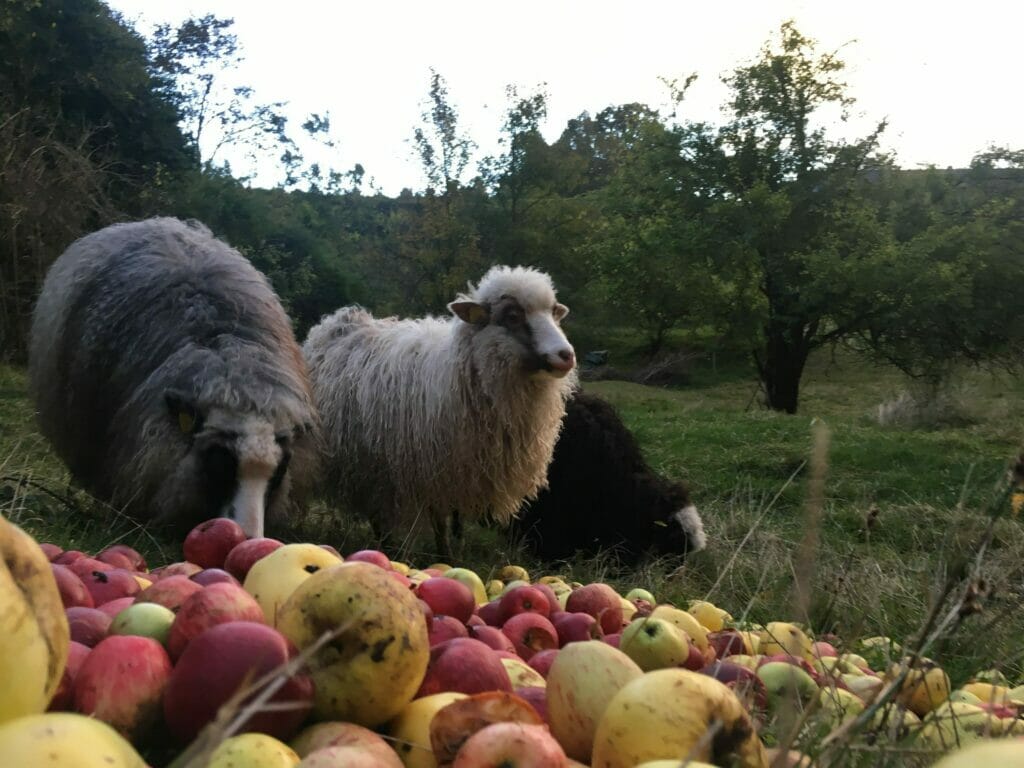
947 76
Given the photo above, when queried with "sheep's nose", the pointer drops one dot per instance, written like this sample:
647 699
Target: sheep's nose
563 360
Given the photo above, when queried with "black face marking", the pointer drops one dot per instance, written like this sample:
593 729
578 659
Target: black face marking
278 476
219 468
509 314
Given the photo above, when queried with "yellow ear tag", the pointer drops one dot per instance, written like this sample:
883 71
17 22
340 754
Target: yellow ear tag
661 523
477 314
186 422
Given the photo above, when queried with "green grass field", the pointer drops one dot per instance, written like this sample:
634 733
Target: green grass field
935 488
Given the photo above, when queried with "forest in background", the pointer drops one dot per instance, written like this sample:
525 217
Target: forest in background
760 239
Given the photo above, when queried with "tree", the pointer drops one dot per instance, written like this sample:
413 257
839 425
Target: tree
961 264
795 210
436 241
649 247
84 139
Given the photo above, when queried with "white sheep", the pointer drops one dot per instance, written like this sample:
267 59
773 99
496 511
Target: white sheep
434 416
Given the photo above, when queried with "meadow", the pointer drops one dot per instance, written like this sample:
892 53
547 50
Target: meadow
911 514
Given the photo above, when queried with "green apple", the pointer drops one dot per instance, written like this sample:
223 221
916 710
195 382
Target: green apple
638 593
145 620
471 580
655 644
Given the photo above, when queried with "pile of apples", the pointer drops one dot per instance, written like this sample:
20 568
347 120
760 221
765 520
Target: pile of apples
321 661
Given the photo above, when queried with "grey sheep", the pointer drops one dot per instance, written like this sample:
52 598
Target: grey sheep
166 375
429 417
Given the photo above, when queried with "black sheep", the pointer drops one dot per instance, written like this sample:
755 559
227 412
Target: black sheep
603 496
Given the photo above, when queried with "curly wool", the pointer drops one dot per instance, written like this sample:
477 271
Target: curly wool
434 415
134 311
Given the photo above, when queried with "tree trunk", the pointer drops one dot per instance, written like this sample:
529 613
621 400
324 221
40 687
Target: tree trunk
782 367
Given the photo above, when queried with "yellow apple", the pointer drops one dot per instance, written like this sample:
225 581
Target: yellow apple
410 730
669 713
709 615
583 678
923 689
522 674
686 622
783 637
1005 754
253 750
273 578
372 668
64 740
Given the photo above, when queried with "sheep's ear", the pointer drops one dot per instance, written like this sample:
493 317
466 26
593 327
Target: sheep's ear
183 412
471 312
559 311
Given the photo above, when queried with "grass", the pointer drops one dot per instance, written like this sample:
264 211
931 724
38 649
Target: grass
931 494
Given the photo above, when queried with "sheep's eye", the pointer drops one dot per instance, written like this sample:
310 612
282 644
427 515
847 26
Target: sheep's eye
514 317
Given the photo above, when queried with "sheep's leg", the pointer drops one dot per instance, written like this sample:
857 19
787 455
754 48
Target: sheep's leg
441 539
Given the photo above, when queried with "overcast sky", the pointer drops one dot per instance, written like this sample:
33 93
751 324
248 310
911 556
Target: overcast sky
947 76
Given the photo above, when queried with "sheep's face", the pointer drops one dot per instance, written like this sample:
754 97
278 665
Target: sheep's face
238 463
531 330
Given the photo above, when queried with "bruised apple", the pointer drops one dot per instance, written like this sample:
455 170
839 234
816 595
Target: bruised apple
375 660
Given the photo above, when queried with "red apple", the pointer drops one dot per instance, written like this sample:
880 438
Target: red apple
121 682
576 627
114 607
241 558
71 587
67 557
105 586
744 682
52 551
464 665
116 560
821 650
88 625
208 544
442 628
537 697
529 633
136 562
84 566
170 591
492 637
401 578
554 607
490 613
216 604
64 698
511 744
643 608
428 612
209 576
600 601
524 599
476 621
613 639
695 660
448 597
219 662
542 660
726 642
374 556
184 568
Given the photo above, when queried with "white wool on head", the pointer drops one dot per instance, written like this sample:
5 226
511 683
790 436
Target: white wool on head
431 416
532 288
